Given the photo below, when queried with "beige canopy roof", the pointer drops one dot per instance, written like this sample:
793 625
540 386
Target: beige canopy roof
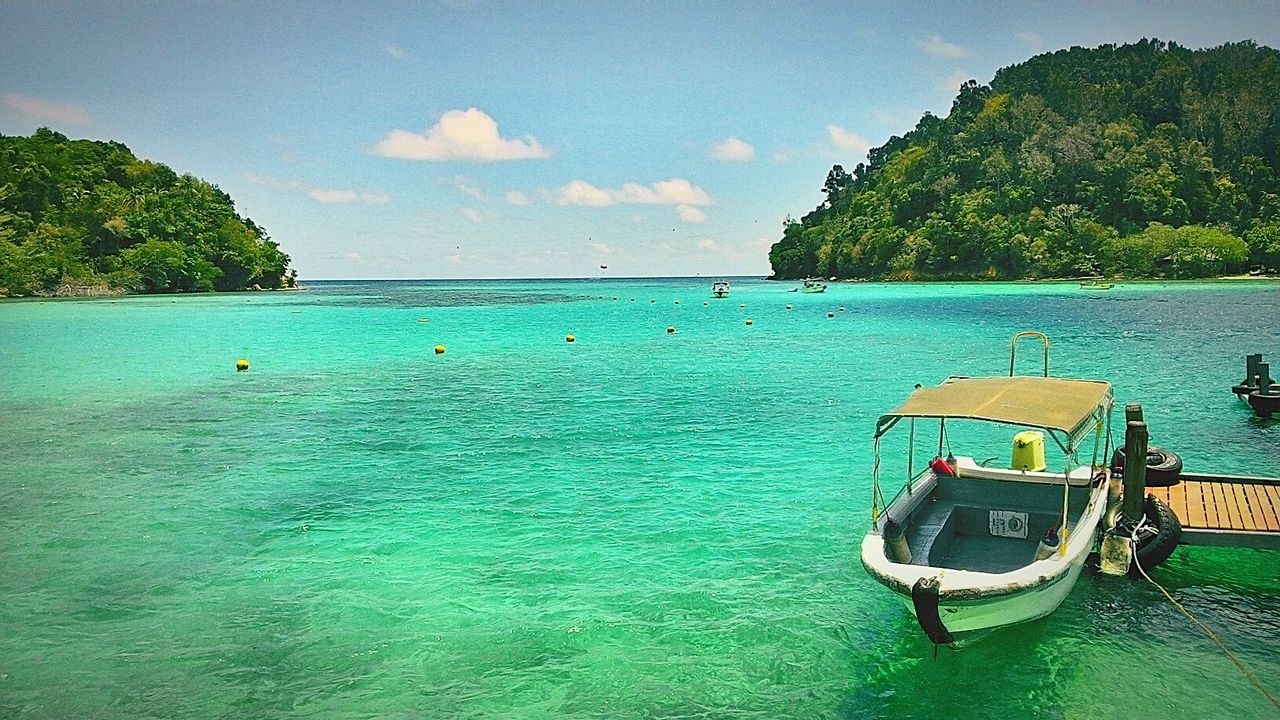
1055 404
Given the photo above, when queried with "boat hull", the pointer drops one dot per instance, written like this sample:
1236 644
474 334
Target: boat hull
1017 606
969 601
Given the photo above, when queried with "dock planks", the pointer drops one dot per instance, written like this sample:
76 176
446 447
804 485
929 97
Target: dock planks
1225 510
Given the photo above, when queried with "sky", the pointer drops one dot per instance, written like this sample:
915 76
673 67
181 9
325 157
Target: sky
533 139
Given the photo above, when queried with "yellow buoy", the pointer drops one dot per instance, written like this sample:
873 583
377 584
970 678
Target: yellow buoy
671 328
422 320
749 321
439 349
569 338
242 365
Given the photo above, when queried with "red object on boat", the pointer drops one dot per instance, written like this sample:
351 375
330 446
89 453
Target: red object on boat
941 467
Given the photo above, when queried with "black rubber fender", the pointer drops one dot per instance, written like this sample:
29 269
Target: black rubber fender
1155 548
924 596
1164 467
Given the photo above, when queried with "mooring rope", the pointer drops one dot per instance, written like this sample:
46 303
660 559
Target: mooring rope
1205 628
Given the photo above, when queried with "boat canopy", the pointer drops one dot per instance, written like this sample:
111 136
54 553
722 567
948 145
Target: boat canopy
1058 405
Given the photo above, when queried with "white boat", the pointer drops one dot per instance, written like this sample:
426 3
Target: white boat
969 547
719 289
813 285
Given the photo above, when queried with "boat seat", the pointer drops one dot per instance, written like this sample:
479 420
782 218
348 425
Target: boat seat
966 467
927 529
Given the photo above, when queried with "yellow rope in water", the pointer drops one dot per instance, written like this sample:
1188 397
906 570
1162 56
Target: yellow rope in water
1207 631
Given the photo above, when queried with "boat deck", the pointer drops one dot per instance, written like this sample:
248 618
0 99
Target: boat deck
1225 510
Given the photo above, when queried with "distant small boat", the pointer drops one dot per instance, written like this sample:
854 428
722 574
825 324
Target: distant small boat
1096 285
813 285
719 289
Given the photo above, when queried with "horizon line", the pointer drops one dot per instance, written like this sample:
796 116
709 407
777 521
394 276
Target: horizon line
558 277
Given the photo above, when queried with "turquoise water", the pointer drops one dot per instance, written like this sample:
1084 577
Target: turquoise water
637 525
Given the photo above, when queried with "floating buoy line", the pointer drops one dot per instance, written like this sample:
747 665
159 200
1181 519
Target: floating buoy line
243 365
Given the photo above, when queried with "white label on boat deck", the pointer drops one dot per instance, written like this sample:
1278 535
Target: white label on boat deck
1007 523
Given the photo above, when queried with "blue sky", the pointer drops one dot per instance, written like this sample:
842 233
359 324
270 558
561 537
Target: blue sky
478 139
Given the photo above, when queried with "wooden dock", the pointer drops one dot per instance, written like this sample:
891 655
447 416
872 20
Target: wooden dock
1225 510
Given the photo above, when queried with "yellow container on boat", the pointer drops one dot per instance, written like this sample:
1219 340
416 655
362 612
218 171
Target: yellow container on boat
1028 451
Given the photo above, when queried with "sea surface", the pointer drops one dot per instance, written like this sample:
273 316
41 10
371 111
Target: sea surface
640 524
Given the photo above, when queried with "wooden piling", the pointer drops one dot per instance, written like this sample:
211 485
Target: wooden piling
1132 413
1135 466
1251 367
1264 377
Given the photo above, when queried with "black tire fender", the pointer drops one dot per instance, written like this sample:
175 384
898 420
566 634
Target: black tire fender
1164 467
1156 547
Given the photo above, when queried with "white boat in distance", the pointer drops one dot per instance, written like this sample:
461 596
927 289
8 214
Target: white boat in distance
813 285
719 289
969 547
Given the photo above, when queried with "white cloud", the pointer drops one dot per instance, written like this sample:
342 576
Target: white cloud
460 135
733 150
951 82
515 197
781 156
471 191
395 51
934 45
352 256
581 192
328 196
455 259
1031 40
678 192
601 248
847 140
691 214
42 110
477 216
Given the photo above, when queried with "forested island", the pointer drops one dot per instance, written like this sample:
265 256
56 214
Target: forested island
80 217
1143 160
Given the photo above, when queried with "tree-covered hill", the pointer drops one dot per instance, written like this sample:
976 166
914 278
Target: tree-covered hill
84 216
1141 160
